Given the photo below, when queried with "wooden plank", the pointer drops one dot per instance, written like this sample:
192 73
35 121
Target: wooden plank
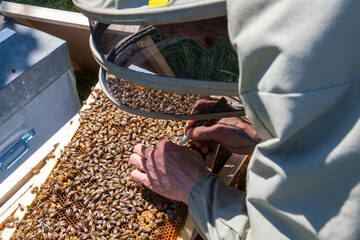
211 155
231 167
54 16
70 26
227 174
150 59
156 58
48 15
188 230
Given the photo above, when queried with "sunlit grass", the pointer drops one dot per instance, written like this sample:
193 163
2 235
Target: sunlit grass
188 60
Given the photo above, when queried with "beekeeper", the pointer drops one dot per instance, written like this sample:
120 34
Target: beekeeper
300 83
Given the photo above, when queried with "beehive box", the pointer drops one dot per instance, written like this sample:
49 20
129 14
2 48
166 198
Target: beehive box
89 193
38 97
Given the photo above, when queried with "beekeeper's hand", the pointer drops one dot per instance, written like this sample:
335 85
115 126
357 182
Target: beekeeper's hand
169 170
234 133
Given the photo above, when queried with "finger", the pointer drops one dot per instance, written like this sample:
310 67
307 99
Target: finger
140 177
138 161
204 148
189 124
143 151
202 106
198 144
206 133
137 148
244 132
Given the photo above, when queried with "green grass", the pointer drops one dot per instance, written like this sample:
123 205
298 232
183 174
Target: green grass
188 60
84 83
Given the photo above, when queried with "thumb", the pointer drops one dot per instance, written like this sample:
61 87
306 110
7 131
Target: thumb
189 125
204 133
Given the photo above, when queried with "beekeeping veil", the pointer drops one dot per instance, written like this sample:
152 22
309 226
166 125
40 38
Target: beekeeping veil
107 17
150 12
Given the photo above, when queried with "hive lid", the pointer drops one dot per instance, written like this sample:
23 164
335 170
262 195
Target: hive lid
24 61
139 12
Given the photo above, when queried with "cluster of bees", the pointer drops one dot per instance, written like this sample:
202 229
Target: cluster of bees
90 195
151 100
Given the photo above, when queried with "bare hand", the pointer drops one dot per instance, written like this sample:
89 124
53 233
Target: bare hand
235 133
169 170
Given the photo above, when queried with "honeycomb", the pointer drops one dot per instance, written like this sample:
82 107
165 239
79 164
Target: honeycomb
90 195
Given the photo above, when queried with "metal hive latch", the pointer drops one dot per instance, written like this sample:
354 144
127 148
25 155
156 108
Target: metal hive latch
24 141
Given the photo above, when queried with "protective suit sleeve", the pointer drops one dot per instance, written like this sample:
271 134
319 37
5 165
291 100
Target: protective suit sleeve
217 210
300 83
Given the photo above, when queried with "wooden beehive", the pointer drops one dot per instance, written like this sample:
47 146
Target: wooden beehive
89 193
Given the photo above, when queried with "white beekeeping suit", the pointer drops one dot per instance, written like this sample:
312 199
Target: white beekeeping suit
300 81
